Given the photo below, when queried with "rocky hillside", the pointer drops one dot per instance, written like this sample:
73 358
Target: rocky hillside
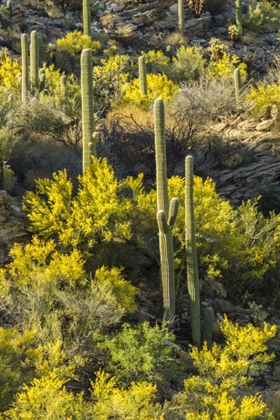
253 157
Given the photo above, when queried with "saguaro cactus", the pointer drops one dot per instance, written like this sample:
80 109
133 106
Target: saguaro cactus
87 17
237 85
239 17
191 252
89 146
166 215
181 16
24 69
142 76
34 62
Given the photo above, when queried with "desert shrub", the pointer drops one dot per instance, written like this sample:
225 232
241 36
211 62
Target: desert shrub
263 97
232 244
188 64
5 17
74 42
65 102
102 220
262 15
158 86
66 53
46 397
225 66
9 71
236 247
109 78
156 62
205 100
135 402
15 368
60 302
144 353
220 387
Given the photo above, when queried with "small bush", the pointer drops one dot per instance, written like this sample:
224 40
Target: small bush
264 96
143 353
219 389
262 15
158 86
188 64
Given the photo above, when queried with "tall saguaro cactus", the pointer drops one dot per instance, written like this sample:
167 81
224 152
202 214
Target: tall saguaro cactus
166 215
34 62
142 76
24 69
239 17
181 16
87 17
191 252
89 146
237 86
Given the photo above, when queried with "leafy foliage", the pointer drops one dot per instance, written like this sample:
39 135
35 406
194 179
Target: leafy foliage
188 64
143 353
217 391
9 71
263 15
158 86
60 301
264 96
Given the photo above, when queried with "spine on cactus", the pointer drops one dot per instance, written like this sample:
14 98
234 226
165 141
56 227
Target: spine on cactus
24 69
181 16
208 323
191 252
237 85
87 17
142 76
239 17
89 146
34 62
166 215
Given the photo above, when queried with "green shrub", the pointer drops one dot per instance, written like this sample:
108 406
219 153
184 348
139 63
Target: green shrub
144 353
58 299
220 389
188 64
14 362
224 67
109 78
262 15
264 96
